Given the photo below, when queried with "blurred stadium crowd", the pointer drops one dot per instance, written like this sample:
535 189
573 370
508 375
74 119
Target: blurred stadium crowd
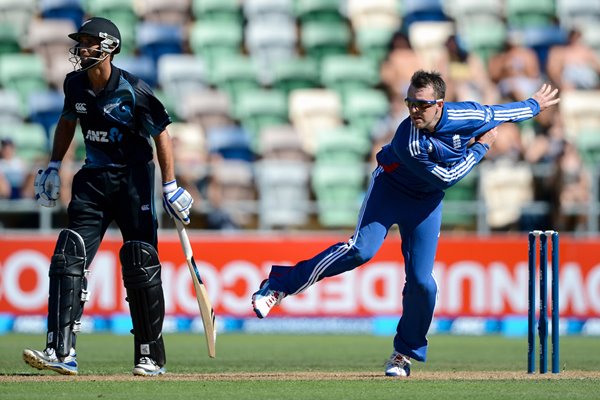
280 105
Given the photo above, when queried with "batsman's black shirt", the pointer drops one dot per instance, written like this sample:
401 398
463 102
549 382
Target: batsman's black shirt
118 122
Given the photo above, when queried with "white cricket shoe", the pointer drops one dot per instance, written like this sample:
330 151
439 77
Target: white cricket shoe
397 365
265 299
148 367
48 359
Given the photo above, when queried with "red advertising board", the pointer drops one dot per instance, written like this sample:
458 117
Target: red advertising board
477 276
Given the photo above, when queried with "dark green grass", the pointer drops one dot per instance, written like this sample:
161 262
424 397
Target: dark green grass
112 356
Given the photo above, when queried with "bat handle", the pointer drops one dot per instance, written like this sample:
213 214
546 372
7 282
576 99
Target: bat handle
184 239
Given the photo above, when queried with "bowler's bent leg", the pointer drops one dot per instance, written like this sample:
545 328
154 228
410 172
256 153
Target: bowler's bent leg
374 221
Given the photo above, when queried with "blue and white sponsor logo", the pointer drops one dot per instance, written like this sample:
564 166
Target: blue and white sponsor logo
114 135
104 137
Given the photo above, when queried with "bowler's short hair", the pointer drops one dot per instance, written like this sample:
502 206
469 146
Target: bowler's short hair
422 79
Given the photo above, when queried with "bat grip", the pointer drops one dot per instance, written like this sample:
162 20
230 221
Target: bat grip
184 239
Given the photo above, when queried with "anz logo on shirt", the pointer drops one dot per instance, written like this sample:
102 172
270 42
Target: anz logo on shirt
112 136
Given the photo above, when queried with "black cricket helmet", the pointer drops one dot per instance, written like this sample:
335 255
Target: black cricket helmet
109 39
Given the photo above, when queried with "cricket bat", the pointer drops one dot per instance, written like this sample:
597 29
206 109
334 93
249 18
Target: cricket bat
206 310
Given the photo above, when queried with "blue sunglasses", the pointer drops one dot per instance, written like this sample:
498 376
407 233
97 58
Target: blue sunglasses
420 104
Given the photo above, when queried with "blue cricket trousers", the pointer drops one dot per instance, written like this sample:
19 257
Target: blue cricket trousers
419 220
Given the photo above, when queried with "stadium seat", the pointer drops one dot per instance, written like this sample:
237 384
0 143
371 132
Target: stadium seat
227 11
258 10
341 145
24 73
49 39
62 9
172 12
319 39
268 41
18 13
484 39
121 12
154 40
9 39
421 10
374 14
460 204
45 108
209 108
345 73
580 110
234 75
31 142
257 109
295 73
142 66
428 39
466 12
283 193
591 35
588 145
523 14
312 110
180 74
373 43
190 151
339 191
318 10
506 188
229 142
213 39
281 142
363 108
11 109
574 13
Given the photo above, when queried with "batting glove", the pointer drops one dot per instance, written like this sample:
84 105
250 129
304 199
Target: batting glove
47 185
177 201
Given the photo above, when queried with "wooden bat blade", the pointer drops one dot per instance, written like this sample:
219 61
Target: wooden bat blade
206 311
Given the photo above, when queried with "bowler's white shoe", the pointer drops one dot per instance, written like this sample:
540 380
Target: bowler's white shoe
148 367
397 365
48 359
265 299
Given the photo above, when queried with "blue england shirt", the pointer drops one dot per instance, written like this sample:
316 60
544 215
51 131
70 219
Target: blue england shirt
425 163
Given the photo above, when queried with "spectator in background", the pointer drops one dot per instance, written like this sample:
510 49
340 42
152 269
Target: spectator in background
506 181
399 65
516 69
466 75
574 66
13 171
571 183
